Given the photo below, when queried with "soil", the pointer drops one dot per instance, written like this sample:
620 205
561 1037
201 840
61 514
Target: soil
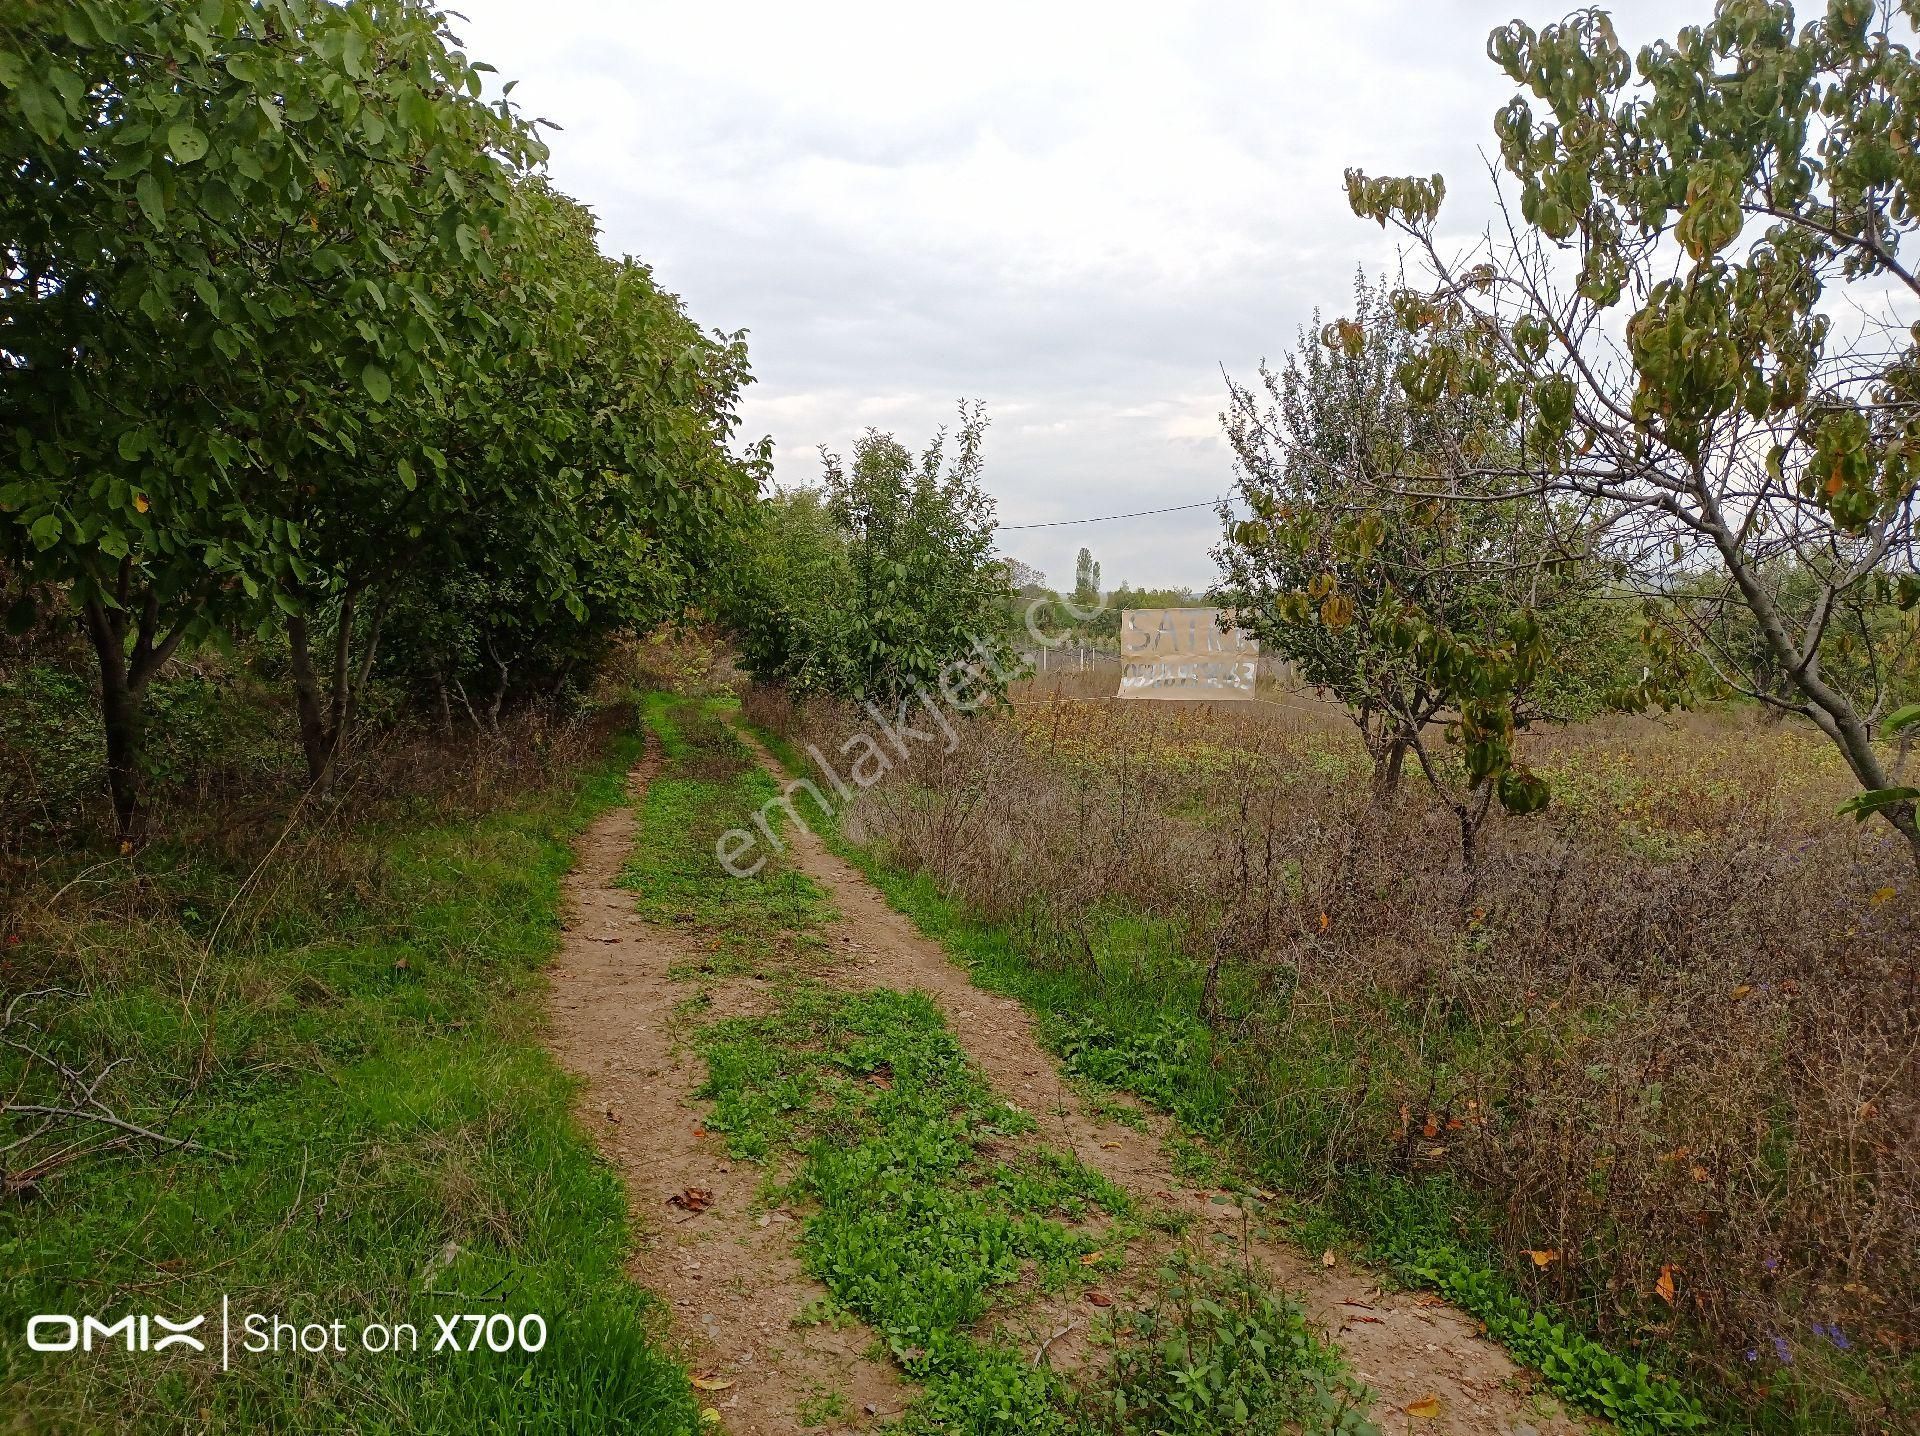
728 1277
732 1284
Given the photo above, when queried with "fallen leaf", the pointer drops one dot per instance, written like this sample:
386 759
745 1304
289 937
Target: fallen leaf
1327 1257
710 1383
1699 1173
1427 1408
1544 1257
1743 990
1663 1288
1325 922
1110 1146
1096 1297
1373 1319
1089 1258
693 1199
1883 896
400 964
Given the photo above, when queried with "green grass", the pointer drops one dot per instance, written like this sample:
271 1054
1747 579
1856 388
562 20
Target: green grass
912 1225
927 1236
402 1146
1216 1351
711 784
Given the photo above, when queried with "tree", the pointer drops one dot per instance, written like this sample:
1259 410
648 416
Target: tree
221 225
1751 425
563 481
1444 604
877 583
1086 582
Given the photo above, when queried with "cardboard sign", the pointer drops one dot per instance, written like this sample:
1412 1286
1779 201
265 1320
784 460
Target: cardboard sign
1184 653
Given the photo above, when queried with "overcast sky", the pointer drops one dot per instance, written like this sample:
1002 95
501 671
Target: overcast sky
1077 213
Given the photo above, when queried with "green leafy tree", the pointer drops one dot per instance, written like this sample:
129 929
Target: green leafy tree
223 225
787 606
927 590
1412 591
1086 581
570 476
1731 375
881 581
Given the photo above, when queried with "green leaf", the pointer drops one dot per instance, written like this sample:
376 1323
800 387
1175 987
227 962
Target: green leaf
187 142
45 531
1862 806
376 382
1902 718
407 475
147 191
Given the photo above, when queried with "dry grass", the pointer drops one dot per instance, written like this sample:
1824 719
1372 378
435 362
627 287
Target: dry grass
1670 1026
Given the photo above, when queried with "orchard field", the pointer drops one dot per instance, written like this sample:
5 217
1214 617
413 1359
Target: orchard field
520 913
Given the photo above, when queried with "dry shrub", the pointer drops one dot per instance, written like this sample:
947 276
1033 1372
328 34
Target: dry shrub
1670 1025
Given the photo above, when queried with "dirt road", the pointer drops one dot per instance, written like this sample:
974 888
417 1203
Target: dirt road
730 1277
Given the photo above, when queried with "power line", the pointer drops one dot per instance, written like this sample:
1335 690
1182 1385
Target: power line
1104 518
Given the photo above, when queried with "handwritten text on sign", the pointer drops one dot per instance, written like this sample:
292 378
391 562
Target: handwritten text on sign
1184 653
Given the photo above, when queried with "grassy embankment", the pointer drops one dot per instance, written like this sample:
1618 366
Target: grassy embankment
356 1030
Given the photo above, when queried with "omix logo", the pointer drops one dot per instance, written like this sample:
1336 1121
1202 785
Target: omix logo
55 1331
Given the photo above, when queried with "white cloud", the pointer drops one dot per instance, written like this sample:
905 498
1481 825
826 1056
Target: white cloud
1075 212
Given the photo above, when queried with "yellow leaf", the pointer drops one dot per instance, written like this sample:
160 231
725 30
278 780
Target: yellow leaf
710 1383
1327 1257
1089 1258
1742 990
1543 1258
1427 1408
140 503
1884 895
709 1416
1663 1288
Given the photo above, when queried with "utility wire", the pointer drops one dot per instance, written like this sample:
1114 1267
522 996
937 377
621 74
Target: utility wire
1104 518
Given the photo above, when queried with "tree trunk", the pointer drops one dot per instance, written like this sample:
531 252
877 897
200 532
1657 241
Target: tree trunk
325 715
315 740
123 715
124 674
1389 762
